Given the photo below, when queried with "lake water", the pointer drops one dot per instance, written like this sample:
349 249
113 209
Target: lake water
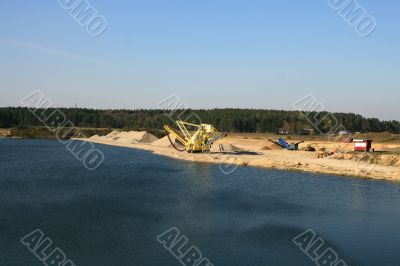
113 215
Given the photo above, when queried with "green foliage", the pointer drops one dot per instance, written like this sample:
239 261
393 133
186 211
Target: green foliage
227 120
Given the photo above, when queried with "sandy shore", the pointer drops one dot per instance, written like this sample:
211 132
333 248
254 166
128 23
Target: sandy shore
278 159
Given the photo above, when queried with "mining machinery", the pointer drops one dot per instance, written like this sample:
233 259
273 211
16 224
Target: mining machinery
193 137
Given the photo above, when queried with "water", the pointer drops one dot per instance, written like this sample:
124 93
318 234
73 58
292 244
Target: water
112 216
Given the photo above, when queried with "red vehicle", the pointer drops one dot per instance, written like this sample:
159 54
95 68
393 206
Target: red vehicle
364 145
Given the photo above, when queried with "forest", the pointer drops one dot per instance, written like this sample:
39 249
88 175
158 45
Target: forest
226 120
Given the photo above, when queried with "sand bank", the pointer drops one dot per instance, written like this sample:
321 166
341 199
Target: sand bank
261 153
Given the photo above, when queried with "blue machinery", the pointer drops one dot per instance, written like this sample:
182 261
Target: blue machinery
284 145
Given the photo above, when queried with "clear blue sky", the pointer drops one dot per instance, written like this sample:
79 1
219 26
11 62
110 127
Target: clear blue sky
211 53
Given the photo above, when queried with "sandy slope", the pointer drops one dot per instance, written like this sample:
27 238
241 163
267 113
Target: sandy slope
4 132
253 155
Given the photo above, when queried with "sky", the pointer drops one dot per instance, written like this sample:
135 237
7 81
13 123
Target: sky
210 54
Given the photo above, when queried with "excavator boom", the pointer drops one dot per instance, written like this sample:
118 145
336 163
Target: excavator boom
175 134
199 140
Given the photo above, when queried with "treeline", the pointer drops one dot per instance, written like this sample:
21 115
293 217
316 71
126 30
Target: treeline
227 120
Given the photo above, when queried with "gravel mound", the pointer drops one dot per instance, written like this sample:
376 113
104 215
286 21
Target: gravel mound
111 135
164 142
272 147
130 137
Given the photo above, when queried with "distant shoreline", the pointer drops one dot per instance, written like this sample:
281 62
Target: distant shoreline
274 159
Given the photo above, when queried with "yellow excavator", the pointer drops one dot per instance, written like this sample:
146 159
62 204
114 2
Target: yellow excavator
198 140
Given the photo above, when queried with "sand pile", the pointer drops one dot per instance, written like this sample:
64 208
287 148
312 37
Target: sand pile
126 140
272 147
148 138
134 137
4 133
95 137
164 142
112 135
127 137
